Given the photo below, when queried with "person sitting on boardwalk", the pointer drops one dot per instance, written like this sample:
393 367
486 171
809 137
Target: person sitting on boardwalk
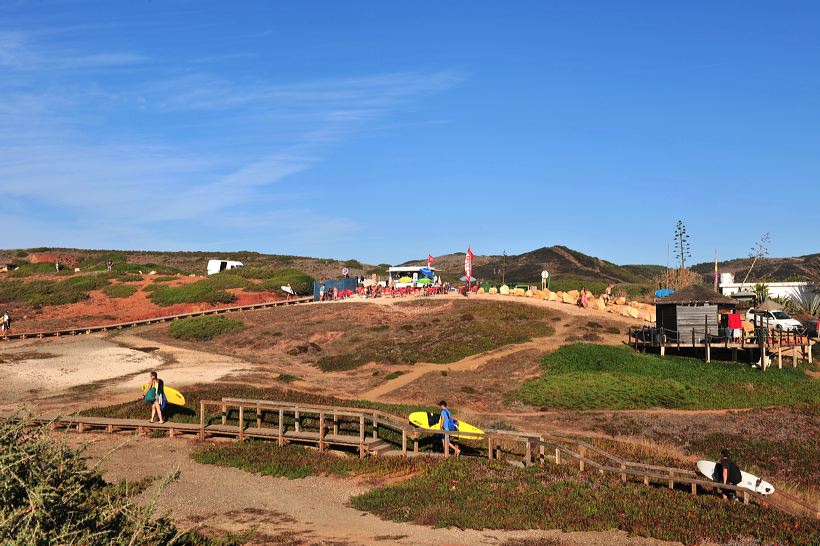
155 395
727 472
448 423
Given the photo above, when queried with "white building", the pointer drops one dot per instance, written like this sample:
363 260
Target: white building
800 292
412 272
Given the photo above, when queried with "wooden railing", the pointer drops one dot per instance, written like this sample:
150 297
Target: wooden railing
141 322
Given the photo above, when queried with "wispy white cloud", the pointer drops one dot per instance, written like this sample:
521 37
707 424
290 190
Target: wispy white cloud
205 149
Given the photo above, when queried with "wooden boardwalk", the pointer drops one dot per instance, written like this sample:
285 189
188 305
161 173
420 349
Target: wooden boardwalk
376 433
142 322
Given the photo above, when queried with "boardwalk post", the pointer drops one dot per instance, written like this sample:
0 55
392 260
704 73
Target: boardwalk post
671 480
582 451
361 436
375 427
404 442
557 456
224 413
335 424
541 456
623 472
297 421
694 489
281 439
258 416
708 350
646 479
779 357
794 356
202 419
490 448
745 497
528 454
446 445
321 431
809 342
241 422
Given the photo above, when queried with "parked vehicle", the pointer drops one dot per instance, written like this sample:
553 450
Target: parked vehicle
774 320
216 266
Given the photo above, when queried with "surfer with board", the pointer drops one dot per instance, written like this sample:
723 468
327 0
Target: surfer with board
727 472
154 394
448 423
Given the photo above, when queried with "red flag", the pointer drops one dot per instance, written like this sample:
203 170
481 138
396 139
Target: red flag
468 263
430 259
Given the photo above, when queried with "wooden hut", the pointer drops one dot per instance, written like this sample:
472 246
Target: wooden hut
689 313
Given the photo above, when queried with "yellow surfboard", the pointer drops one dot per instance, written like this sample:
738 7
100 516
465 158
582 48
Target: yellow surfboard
172 396
432 421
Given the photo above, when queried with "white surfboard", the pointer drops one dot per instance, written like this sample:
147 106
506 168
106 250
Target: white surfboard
288 289
748 481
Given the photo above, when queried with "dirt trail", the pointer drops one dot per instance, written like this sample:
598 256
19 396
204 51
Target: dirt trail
311 510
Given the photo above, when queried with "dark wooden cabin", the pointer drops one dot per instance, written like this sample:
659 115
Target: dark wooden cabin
691 308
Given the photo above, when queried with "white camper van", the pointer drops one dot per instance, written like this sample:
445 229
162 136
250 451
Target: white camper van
215 266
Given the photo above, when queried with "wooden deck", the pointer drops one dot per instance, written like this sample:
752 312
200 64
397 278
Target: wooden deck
129 324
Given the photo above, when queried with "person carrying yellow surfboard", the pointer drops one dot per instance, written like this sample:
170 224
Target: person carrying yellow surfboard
448 423
154 394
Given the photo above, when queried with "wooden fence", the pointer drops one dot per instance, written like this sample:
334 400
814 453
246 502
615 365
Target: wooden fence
376 433
121 325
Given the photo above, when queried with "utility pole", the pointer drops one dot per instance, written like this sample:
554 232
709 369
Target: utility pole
504 268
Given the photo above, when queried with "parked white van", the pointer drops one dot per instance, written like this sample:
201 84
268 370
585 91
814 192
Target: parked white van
215 266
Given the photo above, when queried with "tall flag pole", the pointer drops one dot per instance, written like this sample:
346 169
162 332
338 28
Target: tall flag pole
468 265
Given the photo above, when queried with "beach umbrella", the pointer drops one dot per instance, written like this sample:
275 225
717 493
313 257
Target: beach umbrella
463 278
405 279
426 272
424 281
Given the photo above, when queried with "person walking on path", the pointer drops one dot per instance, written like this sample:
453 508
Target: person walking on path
449 424
155 395
6 322
727 472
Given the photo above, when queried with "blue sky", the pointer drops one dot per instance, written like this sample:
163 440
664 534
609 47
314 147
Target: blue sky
384 130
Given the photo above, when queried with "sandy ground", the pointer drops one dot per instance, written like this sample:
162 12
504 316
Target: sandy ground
64 375
311 510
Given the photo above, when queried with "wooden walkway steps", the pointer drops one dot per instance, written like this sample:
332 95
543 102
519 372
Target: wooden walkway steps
142 322
377 433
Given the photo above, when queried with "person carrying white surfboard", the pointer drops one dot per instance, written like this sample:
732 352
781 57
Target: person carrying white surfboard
448 423
154 394
727 472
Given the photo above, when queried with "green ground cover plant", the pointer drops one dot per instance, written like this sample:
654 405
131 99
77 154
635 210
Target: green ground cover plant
119 291
464 493
264 457
48 495
210 290
585 376
274 279
28 269
165 278
205 327
465 329
49 292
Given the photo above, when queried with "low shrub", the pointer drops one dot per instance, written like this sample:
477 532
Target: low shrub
210 290
50 496
119 291
165 278
205 327
300 282
50 292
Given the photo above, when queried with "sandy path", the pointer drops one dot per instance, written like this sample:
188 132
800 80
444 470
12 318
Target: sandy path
306 511
72 373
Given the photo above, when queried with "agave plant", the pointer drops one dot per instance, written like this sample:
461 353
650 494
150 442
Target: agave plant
814 306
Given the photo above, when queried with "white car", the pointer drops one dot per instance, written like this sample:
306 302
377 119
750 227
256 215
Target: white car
774 320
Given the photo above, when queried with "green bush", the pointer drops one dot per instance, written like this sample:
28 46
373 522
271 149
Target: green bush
300 282
119 291
204 328
585 376
165 278
21 254
210 290
49 495
27 269
353 264
68 291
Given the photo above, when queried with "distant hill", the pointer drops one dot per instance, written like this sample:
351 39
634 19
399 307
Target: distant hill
800 268
185 262
560 261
